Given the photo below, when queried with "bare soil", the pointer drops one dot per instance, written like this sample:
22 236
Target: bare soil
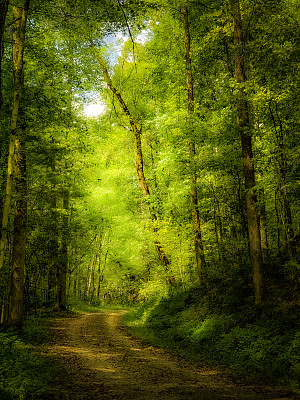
102 362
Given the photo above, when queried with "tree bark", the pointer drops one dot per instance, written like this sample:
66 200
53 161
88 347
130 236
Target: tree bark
283 188
198 243
17 166
20 18
3 13
139 158
19 238
91 273
63 259
101 272
247 153
53 246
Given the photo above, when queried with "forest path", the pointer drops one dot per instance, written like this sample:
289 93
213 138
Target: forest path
103 363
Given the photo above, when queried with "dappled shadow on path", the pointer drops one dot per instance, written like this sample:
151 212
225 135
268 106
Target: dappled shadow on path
102 362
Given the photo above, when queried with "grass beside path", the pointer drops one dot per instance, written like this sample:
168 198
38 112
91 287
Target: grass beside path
256 344
79 306
26 373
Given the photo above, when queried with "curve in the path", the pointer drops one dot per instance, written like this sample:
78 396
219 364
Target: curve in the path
113 366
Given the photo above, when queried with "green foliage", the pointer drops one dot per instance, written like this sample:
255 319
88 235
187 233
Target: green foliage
111 256
23 373
79 306
257 343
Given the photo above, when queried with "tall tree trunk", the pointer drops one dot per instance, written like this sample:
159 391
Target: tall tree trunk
262 222
218 226
283 183
17 165
3 13
63 258
53 260
139 158
63 264
246 144
5 299
91 273
101 272
198 243
19 238
20 18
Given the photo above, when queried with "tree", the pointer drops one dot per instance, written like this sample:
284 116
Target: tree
180 104
139 155
200 261
247 152
3 13
19 235
18 151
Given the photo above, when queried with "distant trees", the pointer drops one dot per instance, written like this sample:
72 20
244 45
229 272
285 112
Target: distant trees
139 159
210 92
229 83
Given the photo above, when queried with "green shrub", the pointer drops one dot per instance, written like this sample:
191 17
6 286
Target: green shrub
24 374
255 342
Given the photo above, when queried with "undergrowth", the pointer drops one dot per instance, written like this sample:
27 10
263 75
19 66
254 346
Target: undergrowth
80 306
260 344
25 374
26 371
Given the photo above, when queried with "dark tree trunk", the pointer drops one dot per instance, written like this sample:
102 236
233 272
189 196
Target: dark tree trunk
17 165
198 243
19 239
3 13
283 183
63 262
247 153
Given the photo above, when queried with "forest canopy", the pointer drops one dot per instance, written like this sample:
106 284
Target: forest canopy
188 176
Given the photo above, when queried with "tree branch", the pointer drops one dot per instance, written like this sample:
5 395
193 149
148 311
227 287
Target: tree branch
129 31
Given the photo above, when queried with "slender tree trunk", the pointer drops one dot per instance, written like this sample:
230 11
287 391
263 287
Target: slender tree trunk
19 239
246 144
7 198
262 224
52 245
198 243
5 299
98 264
261 197
139 158
283 173
3 13
287 220
63 260
65 247
90 280
101 274
218 226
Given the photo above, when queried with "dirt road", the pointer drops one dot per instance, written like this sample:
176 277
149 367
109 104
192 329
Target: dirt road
103 363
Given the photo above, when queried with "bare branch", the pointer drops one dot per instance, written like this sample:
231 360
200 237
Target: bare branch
129 31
